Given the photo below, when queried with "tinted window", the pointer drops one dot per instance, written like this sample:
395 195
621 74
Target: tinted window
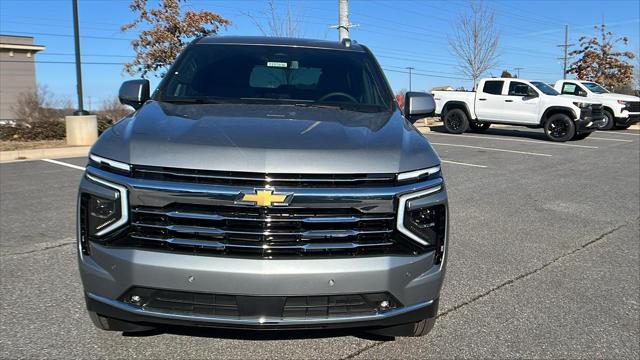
276 74
595 88
493 87
546 89
519 89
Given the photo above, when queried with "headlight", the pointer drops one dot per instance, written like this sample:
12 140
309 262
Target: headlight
101 211
104 162
418 174
622 102
582 105
422 221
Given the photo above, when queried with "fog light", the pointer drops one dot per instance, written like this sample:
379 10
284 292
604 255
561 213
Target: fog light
384 305
135 299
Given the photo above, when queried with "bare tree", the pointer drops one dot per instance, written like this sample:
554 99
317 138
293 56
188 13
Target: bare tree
287 24
112 110
34 106
167 30
475 40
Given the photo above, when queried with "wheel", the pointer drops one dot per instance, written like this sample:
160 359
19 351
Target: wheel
581 136
420 328
109 324
478 127
456 121
559 127
608 122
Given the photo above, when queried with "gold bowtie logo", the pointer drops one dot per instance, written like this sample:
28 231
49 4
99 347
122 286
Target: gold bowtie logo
264 197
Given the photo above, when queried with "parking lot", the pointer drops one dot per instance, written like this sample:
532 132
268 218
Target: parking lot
543 261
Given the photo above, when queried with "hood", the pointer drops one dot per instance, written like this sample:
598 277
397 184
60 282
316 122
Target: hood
614 96
266 139
581 99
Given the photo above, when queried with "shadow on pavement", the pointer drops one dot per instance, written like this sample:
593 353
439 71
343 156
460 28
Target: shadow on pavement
536 135
257 335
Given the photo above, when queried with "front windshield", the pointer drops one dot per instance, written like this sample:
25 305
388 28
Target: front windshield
595 88
277 74
546 89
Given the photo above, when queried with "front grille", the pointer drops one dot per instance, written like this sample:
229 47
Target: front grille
265 232
596 112
633 106
260 179
239 306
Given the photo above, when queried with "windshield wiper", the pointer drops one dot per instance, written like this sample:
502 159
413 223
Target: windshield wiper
321 106
190 101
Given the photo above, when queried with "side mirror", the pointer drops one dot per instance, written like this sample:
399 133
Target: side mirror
582 93
418 105
134 93
531 93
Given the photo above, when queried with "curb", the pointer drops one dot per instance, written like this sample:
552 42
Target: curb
36 154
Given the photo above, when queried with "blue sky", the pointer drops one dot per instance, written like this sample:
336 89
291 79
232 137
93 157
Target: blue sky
400 33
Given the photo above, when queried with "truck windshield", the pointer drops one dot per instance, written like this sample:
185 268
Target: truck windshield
276 74
595 88
546 89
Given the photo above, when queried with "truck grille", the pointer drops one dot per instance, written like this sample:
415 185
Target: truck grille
265 232
633 106
260 179
238 306
596 112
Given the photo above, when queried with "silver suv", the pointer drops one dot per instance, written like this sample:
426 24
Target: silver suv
265 184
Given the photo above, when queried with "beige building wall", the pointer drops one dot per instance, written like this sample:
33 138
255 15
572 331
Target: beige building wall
17 70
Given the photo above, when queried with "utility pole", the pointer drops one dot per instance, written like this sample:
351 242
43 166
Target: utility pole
410 70
517 69
566 46
76 35
343 19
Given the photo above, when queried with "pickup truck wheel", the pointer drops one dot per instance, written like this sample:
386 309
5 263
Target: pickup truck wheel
456 122
420 328
478 127
608 122
559 127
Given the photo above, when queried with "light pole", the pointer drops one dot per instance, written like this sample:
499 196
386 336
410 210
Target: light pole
410 70
76 35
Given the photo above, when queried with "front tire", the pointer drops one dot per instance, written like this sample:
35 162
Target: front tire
559 127
608 122
479 127
456 121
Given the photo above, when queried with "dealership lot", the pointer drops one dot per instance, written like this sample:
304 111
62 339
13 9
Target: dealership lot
544 261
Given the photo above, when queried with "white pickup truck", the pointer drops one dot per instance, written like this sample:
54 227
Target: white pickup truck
620 111
518 102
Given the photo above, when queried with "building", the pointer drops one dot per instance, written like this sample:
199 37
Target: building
17 71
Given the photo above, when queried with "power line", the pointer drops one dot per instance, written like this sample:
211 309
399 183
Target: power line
566 46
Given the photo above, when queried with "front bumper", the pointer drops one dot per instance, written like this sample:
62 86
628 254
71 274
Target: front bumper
108 273
630 119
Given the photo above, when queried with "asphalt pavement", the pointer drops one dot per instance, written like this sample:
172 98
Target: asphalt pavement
543 262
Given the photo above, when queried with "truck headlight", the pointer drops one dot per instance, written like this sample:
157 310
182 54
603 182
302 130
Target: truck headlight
418 174
105 212
582 105
421 221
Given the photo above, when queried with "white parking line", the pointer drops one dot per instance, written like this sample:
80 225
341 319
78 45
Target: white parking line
517 140
494 149
620 133
608 139
461 163
64 164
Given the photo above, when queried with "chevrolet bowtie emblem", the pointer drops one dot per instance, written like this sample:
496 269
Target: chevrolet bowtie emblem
264 197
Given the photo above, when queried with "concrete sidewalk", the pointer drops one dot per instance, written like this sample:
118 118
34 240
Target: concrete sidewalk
34 154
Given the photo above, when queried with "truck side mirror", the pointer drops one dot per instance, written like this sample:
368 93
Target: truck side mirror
531 93
134 93
582 93
418 105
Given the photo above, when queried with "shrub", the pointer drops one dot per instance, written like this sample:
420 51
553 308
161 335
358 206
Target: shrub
36 131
